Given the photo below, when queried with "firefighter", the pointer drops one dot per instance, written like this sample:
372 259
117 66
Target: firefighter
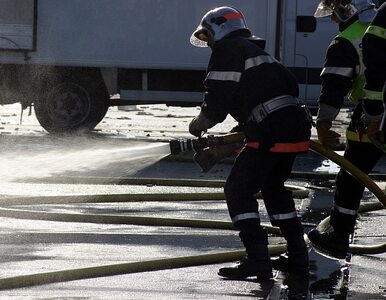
374 49
343 74
261 95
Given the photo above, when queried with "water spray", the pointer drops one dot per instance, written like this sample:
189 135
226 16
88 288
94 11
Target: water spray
78 155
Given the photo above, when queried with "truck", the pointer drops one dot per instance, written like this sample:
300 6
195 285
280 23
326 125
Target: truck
73 59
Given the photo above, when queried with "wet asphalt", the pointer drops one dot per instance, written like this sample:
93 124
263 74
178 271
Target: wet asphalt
133 144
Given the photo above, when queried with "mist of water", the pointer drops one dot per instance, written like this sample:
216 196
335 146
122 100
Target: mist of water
17 165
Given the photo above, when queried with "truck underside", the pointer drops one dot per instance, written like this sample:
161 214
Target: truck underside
65 99
69 99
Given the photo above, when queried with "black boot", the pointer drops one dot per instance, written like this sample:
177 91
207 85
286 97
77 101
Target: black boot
256 263
298 286
332 243
281 263
295 260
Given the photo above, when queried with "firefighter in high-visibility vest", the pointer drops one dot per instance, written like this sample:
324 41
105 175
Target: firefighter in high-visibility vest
343 74
247 83
374 58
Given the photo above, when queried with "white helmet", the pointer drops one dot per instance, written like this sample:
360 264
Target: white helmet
345 9
217 24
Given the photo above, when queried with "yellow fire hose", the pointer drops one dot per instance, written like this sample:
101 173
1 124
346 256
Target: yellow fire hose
352 169
204 183
355 248
130 181
297 192
125 268
117 219
367 182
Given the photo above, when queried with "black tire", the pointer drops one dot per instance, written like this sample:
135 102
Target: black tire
72 102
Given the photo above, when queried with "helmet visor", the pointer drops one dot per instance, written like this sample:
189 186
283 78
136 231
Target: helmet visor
200 37
323 10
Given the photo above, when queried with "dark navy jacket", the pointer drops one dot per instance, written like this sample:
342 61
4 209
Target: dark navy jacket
241 75
374 57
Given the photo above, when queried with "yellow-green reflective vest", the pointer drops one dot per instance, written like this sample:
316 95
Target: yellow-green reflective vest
354 34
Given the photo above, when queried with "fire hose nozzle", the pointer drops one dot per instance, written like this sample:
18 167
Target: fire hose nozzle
209 150
178 146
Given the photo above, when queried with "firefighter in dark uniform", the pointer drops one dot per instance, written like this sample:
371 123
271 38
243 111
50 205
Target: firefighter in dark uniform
343 74
374 58
261 95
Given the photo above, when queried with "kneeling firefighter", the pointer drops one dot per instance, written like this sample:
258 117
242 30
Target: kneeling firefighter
261 95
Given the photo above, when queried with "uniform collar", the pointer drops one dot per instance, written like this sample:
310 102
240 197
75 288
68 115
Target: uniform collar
344 25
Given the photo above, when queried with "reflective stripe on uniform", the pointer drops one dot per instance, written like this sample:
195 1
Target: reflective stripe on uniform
346 72
354 35
286 216
354 136
283 147
373 95
262 110
345 211
224 76
245 216
258 60
377 31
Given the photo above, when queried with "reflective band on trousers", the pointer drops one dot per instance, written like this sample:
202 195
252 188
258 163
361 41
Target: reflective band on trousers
224 76
345 211
373 95
286 216
378 31
283 147
346 72
258 60
245 216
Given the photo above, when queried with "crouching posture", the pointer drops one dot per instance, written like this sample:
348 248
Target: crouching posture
261 95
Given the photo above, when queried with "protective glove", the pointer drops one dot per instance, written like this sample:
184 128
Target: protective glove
376 136
326 136
195 127
209 157
200 124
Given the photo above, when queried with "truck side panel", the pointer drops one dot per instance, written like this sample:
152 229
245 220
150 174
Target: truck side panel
128 33
304 52
92 49
17 24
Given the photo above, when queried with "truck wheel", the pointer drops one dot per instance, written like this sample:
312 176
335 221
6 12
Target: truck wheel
73 104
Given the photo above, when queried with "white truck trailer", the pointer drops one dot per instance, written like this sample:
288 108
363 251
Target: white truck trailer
68 58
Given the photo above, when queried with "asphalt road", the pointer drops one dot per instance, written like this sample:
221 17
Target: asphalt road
134 144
